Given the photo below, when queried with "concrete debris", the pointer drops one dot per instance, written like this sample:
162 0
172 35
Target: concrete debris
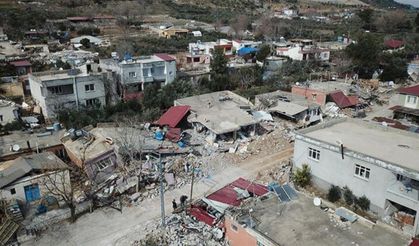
181 230
337 221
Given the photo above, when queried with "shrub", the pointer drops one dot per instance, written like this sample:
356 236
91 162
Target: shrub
363 203
348 196
302 177
334 193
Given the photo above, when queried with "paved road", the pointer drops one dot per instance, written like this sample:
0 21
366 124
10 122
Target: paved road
110 227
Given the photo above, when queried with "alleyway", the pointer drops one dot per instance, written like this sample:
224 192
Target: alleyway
110 227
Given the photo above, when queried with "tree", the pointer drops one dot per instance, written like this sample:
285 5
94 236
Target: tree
348 196
363 203
264 51
334 193
85 42
218 62
365 55
366 16
302 177
393 22
57 184
239 25
246 77
417 22
394 67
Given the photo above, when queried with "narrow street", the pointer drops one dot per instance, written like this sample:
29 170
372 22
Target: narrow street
110 227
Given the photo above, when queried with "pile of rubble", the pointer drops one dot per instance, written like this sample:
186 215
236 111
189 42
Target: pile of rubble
280 174
181 230
338 221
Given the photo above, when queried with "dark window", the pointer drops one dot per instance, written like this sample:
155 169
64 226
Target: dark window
92 102
61 89
1 118
12 191
89 87
234 227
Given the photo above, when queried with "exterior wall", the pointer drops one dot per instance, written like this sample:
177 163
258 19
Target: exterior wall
7 114
58 150
49 102
170 71
331 169
19 185
308 93
403 102
237 238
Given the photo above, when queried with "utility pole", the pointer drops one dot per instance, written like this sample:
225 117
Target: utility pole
163 217
193 177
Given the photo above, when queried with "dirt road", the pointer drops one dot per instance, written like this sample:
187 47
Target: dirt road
110 227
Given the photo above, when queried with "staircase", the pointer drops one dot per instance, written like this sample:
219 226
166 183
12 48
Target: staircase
7 230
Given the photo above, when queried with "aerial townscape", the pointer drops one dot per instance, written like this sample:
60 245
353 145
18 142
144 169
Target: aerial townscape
209 122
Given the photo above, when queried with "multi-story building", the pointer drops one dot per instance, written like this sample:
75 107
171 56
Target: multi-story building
201 52
74 88
302 50
134 73
408 106
370 159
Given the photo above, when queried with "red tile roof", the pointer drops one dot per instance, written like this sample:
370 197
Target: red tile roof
165 57
173 116
22 63
412 90
393 43
341 100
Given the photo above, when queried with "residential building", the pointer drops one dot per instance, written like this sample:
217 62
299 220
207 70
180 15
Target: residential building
30 178
23 68
393 45
370 159
134 73
54 90
290 106
408 107
9 112
93 40
238 44
221 113
413 70
20 143
92 152
207 48
302 50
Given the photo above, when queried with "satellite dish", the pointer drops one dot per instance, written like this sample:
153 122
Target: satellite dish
15 147
317 201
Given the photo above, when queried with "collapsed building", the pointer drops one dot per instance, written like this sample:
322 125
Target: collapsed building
222 113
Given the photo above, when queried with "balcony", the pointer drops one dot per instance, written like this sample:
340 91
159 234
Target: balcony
406 189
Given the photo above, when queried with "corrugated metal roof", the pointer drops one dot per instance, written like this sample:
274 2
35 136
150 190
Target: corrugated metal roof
165 57
173 116
342 100
17 168
412 90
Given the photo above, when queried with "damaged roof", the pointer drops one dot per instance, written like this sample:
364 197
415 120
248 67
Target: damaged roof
341 100
12 170
221 112
173 116
411 90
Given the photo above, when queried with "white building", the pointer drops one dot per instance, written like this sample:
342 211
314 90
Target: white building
25 178
134 73
54 90
372 160
238 44
302 50
93 40
8 112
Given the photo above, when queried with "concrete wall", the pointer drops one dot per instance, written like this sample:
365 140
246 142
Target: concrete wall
331 169
62 177
7 114
403 102
320 97
237 238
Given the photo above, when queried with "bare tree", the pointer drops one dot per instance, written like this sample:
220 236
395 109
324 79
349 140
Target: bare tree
392 21
239 25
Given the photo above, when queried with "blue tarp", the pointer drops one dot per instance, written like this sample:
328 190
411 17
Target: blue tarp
246 50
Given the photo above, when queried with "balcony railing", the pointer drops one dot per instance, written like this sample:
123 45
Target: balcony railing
404 189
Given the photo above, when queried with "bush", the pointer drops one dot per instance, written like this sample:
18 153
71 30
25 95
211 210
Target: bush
348 196
302 177
363 203
334 194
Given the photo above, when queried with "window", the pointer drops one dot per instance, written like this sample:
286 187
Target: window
411 99
399 177
102 164
32 192
92 102
89 87
61 89
132 74
362 172
12 191
314 154
1 118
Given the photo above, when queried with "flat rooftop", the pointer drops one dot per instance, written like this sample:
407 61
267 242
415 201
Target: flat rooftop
384 143
41 140
299 222
221 112
329 86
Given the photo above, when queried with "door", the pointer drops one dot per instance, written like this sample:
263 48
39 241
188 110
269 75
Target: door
32 192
